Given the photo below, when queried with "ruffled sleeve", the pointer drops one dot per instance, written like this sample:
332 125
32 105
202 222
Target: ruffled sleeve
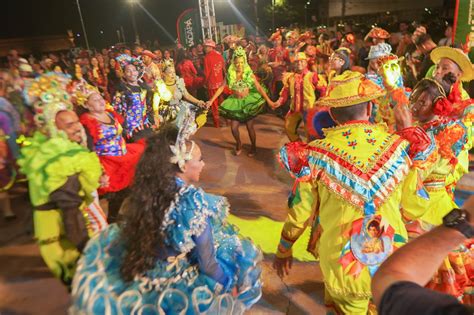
189 215
420 142
92 126
48 163
294 158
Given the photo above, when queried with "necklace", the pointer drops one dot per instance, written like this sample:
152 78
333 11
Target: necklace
174 82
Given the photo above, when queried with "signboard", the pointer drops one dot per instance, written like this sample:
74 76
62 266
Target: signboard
188 28
363 7
464 22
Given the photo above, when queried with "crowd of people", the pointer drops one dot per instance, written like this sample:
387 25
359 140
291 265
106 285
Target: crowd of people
385 139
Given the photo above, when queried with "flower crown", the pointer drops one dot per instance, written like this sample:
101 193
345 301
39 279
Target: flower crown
125 60
48 94
81 92
240 52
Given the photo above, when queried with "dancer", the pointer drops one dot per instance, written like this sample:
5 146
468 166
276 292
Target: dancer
301 86
376 52
174 252
434 112
118 159
246 102
63 176
133 100
454 61
339 62
175 97
349 190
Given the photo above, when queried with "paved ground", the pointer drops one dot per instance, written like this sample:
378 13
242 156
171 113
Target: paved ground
254 186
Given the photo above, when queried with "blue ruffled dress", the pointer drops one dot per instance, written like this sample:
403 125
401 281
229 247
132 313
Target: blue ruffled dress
191 276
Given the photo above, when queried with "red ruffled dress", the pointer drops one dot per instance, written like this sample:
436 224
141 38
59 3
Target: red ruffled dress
116 156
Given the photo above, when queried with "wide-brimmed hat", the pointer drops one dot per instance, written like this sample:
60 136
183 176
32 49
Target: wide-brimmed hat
291 34
377 32
276 36
149 54
350 88
300 56
456 55
379 50
209 43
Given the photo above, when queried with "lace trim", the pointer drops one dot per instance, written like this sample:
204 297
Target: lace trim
199 222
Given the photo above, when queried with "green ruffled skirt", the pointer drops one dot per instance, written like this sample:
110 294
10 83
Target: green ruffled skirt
242 109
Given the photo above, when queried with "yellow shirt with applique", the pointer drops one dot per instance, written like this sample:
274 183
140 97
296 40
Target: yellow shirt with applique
358 166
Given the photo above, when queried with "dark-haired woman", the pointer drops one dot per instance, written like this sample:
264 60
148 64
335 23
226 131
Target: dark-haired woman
437 116
173 253
118 159
339 62
133 100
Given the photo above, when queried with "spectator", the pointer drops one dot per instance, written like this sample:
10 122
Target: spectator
448 39
425 45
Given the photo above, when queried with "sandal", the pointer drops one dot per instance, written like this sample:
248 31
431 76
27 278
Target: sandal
252 152
238 151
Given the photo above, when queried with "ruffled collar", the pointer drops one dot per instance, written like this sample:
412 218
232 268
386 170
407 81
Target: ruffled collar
180 182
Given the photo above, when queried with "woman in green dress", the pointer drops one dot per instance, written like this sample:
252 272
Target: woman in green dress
246 101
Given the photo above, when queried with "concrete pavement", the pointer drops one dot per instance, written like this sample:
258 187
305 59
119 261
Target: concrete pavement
255 186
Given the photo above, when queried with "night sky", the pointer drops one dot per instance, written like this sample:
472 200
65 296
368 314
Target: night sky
25 18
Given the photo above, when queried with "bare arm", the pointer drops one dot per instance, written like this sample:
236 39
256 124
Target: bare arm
262 92
418 260
188 97
217 94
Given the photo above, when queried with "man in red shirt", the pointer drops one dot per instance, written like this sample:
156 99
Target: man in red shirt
213 75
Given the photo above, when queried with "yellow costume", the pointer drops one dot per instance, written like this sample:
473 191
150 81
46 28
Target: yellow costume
300 87
354 179
62 178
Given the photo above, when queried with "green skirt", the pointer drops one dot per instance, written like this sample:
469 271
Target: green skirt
242 109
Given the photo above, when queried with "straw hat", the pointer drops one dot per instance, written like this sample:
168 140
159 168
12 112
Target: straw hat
209 43
276 36
149 54
377 32
300 56
456 55
350 88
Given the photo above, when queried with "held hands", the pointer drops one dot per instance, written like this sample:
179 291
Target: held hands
272 104
201 103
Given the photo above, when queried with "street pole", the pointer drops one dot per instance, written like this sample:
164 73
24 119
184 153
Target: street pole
256 16
134 23
273 15
306 13
82 23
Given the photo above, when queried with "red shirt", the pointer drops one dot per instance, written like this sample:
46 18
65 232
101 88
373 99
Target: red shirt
279 54
214 70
